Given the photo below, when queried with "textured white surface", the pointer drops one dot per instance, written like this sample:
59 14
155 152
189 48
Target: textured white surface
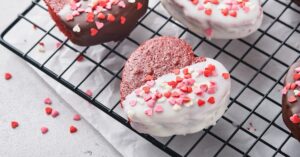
222 27
187 119
21 99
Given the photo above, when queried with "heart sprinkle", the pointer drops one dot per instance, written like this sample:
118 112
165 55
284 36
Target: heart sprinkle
73 129
14 124
77 117
44 130
7 76
48 101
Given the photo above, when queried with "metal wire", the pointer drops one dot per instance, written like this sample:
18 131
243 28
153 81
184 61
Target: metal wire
221 50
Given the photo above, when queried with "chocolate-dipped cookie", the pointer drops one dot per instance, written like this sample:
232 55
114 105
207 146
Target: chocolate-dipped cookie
166 90
291 100
91 22
297 2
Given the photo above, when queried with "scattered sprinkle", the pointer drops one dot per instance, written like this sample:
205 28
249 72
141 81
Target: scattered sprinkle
77 117
44 130
7 76
73 129
14 124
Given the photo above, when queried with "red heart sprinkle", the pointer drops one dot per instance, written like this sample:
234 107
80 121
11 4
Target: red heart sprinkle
48 101
179 79
122 20
48 110
146 89
73 129
201 102
225 11
292 99
167 94
232 13
295 119
7 76
14 124
139 6
186 99
186 71
297 76
93 31
226 76
90 17
211 100
101 16
80 58
208 12
111 18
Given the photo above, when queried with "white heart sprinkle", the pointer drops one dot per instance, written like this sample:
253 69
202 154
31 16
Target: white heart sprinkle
76 28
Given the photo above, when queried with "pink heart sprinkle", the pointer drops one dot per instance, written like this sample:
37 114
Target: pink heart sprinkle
132 103
48 101
54 114
73 6
81 10
158 109
208 32
201 7
211 90
69 17
77 117
75 13
147 97
200 72
99 25
172 101
138 92
191 81
149 112
89 93
284 91
44 130
198 91
179 101
297 69
122 4
151 103
150 83
246 9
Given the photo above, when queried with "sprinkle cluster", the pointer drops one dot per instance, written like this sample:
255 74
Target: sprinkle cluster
178 92
97 9
225 7
295 93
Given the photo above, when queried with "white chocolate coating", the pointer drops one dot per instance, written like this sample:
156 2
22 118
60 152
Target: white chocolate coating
248 19
184 118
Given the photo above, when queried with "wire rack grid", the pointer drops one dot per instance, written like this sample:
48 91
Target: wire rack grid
268 44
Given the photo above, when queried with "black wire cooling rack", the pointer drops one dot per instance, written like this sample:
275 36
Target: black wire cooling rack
282 45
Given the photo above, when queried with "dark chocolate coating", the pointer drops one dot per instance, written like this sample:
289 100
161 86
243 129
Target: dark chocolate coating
112 31
297 2
156 57
289 109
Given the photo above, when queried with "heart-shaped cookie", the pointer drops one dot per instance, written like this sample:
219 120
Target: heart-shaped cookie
91 22
223 19
165 90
